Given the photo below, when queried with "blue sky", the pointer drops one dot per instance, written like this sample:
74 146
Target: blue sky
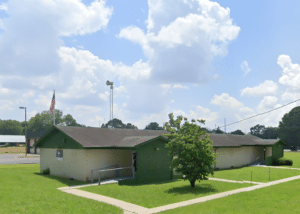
201 59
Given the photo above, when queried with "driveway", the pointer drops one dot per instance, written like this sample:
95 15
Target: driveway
13 159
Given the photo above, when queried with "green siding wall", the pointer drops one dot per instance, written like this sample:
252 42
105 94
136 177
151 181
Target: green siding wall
153 165
60 140
277 150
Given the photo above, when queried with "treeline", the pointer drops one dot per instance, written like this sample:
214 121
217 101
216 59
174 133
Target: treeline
39 123
288 129
258 130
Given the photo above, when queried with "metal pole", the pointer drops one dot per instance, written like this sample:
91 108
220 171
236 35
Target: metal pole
251 177
112 99
26 133
110 105
54 110
99 178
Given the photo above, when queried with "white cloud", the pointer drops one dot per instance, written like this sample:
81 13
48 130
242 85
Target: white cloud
245 67
290 96
182 40
290 72
202 113
268 102
225 100
180 86
32 31
3 6
265 88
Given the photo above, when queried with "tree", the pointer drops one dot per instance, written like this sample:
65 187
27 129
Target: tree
43 121
130 126
192 157
258 130
10 127
207 130
118 124
68 120
153 126
218 131
270 133
238 132
289 127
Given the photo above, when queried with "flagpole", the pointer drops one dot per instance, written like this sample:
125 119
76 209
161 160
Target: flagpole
54 112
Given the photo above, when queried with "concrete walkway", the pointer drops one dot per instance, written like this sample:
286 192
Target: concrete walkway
279 167
132 208
232 181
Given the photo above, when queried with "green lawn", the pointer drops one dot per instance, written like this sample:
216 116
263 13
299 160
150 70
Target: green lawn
24 190
295 157
277 199
260 174
159 194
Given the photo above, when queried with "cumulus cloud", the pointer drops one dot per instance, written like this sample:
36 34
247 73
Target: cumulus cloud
180 86
182 40
290 96
33 30
226 101
265 88
245 67
268 102
290 72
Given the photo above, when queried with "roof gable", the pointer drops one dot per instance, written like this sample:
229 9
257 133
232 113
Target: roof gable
114 138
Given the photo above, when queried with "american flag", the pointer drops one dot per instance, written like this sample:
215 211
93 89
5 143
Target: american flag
52 106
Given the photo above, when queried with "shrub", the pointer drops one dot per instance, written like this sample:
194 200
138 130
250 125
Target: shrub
282 162
7 145
46 171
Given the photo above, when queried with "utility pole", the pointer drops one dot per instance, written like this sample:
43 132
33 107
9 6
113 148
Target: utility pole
225 124
111 106
26 143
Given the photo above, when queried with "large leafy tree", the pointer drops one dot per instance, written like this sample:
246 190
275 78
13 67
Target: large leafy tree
192 157
289 127
258 130
270 133
237 132
10 127
153 126
130 126
118 124
218 131
43 121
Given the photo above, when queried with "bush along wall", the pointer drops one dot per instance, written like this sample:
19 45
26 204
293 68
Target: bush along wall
282 162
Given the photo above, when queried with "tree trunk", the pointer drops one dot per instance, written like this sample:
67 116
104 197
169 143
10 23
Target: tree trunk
192 183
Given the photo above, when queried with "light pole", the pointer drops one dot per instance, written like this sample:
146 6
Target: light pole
111 106
26 143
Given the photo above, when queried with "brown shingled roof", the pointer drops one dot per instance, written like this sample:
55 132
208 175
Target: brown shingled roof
102 137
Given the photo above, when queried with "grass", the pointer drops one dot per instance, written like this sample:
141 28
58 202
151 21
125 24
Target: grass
24 190
277 199
295 157
159 194
260 174
13 149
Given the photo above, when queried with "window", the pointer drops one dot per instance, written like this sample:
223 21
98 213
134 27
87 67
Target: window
59 154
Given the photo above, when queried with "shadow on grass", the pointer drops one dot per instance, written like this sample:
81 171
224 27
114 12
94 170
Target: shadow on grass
187 189
62 180
152 183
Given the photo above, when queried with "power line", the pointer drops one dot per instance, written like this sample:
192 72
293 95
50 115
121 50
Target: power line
262 113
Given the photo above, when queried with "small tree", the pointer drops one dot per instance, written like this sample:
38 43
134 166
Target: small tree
192 157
